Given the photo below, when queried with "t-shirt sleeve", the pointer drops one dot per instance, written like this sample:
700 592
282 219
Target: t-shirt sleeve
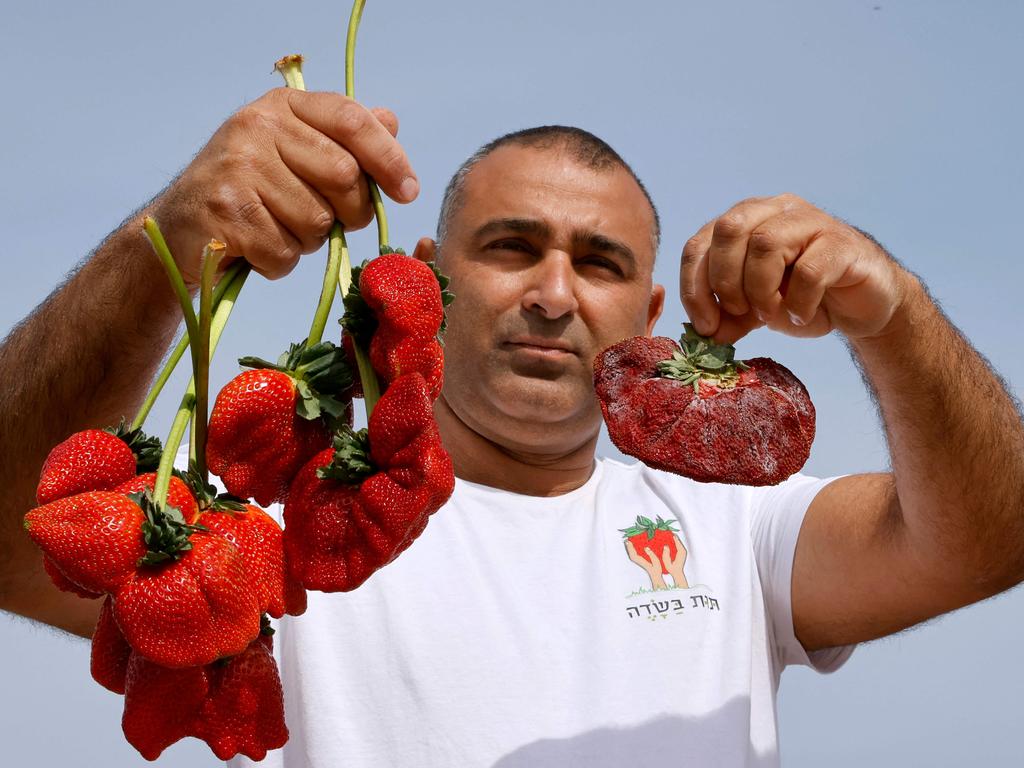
777 514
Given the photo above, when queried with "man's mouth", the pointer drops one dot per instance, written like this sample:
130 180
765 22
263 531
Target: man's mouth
536 345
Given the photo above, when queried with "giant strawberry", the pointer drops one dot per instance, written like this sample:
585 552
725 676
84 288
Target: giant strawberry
695 411
182 595
96 460
395 309
354 508
235 705
267 422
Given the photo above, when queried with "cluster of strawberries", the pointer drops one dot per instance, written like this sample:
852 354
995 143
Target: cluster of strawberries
353 500
188 584
184 586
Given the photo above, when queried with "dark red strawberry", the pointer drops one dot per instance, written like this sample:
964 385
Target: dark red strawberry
654 535
354 508
108 660
395 310
695 411
96 460
267 422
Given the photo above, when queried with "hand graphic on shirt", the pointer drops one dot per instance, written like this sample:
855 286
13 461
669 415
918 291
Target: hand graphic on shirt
652 564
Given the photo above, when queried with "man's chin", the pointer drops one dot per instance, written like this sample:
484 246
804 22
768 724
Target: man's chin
542 400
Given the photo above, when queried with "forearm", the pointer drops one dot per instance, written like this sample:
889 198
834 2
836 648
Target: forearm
956 443
82 359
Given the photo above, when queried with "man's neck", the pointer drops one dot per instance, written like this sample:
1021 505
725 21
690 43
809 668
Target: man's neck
483 460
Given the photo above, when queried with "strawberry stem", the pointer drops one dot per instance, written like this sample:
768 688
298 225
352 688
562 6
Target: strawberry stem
350 91
179 350
331 276
181 419
367 376
156 239
290 68
212 255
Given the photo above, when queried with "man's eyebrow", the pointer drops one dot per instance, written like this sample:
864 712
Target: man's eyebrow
604 244
521 226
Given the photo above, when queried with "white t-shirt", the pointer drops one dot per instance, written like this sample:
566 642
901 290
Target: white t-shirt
516 632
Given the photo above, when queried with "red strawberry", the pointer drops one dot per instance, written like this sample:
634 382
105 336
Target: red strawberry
182 596
354 508
179 495
258 537
395 310
65 584
697 412
110 651
95 460
235 705
648 534
267 422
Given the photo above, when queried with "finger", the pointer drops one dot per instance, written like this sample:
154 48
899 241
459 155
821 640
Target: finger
727 252
651 556
694 288
251 232
298 206
771 248
387 119
330 169
732 328
822 264
357 130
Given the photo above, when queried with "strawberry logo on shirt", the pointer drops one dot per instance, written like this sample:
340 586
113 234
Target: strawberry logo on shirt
654 546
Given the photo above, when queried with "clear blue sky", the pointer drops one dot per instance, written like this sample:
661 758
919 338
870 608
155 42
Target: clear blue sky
901 117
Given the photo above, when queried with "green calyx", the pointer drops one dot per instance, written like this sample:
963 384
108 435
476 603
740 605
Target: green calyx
701 359
147 449
351 463
206 494
359 320
164 530
265 628
321 375
648 526
447 297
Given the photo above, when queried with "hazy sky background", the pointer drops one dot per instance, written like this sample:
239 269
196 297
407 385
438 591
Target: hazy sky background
903 118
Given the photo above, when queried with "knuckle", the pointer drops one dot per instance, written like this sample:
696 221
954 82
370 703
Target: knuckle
726 286
346 173
810 271
320 226
357 218
762 243
731 225
350 119
693 249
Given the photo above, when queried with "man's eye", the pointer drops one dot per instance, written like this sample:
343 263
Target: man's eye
510 245
601 261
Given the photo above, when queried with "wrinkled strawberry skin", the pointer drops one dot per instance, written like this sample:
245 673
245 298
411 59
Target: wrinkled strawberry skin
257 442
110 652
756 433
91 460
337 535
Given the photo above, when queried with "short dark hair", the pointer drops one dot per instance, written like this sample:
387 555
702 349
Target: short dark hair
584 147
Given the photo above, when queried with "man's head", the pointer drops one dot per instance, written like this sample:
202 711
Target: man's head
550 241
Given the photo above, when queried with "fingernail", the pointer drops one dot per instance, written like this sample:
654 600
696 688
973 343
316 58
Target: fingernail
795 319
761 316
409 188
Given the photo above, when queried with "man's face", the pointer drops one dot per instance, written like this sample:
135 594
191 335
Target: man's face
550 263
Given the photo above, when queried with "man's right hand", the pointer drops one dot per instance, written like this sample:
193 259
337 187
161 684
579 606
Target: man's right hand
276 175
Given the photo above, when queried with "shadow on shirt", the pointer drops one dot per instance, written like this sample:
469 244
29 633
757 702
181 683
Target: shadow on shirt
720 739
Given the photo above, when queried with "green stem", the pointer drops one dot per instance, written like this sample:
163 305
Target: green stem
156 239
179 350
181 419
212 255
345 272
350 91
290 68
331 276
368 378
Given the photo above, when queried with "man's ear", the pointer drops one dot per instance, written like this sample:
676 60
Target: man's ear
425 249
654 307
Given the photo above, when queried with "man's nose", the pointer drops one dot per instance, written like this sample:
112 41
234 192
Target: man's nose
552 286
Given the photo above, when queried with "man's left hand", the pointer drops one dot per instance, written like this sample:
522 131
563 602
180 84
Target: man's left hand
783 263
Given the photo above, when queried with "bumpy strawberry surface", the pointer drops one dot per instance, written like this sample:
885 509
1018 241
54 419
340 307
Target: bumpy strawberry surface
259 539
257 442
405 298
235 705
108 659
91 460
758 431
181 612
338 533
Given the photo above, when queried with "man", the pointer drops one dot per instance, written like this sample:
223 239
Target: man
518 630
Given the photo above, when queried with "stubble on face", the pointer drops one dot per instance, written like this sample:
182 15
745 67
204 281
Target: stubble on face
550 263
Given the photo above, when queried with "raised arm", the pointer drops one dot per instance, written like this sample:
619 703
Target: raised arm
269 184
881 552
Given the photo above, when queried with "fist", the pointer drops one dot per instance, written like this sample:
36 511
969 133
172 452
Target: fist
275 176
783 263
